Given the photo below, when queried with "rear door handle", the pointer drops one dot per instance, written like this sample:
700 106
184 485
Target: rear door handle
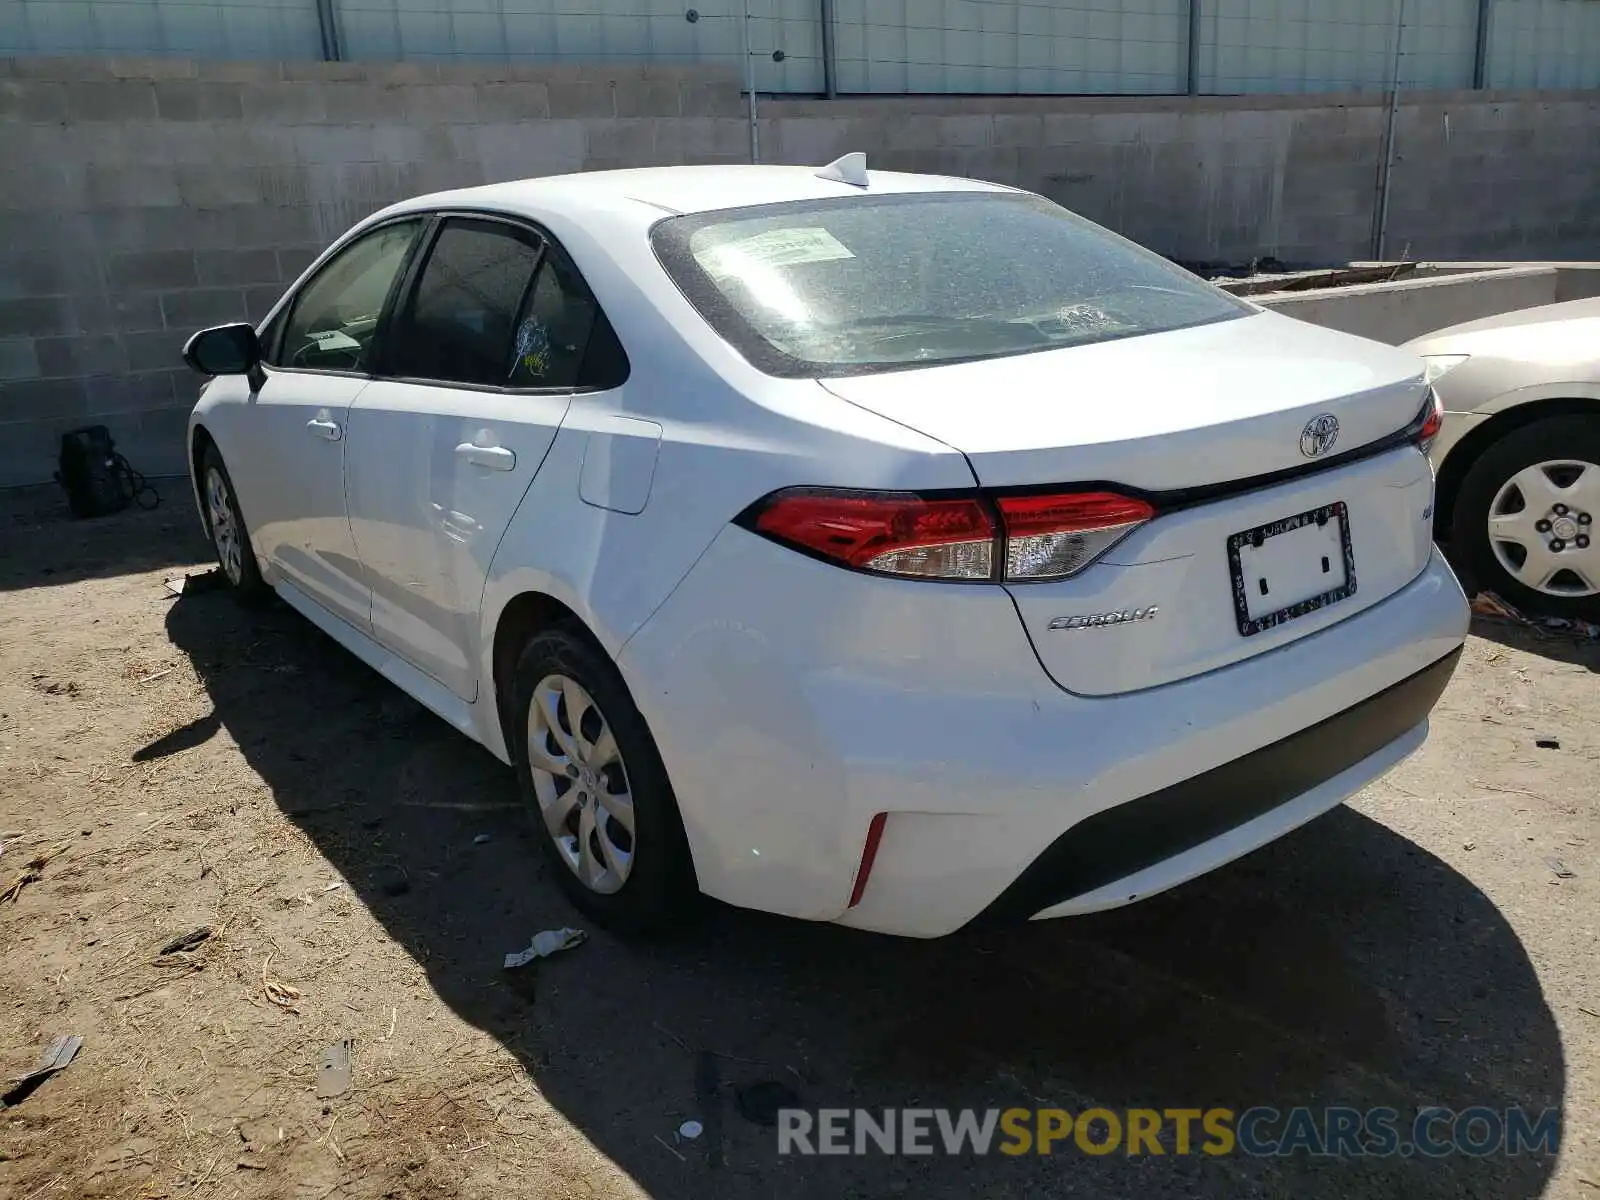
495 458
328 430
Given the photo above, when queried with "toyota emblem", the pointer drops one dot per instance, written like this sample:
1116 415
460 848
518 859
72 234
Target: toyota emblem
1319 435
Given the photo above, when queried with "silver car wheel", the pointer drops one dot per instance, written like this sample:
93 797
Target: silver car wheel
1541 527
225 531
581 784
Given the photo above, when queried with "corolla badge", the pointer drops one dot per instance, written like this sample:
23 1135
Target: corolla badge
1101 620
1319 435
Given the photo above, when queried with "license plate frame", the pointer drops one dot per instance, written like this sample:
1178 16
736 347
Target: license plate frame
1250 626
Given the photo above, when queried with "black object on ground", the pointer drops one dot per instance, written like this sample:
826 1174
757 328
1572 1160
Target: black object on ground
187 941
59 1055
97 479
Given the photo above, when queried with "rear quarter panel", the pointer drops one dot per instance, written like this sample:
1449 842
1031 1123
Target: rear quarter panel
721 448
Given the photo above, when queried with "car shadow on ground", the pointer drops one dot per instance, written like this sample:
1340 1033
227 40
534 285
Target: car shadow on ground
1343 966
41 544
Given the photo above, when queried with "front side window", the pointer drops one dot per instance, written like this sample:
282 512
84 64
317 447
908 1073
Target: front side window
876 283
460 324
333 320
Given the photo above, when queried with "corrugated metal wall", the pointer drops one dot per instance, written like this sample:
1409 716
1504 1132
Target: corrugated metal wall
1316 46
885 46
1011 45
245 29
1545 43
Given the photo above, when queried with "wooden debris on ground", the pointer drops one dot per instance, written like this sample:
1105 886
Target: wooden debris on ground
32 872
281 994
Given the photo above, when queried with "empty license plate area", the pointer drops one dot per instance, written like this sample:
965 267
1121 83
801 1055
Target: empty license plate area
1291 567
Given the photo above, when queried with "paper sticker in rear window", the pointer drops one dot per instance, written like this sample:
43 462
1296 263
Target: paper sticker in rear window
774 248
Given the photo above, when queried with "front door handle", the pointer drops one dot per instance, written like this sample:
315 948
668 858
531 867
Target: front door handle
327 430
495 458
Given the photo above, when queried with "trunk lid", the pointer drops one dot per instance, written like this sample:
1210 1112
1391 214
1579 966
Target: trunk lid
1199 408
1183 409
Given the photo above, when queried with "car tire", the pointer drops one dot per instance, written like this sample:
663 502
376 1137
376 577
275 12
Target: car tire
571 709
1554 450
230 537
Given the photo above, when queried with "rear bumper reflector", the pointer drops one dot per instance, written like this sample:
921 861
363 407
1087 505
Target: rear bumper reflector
869 853
1129 837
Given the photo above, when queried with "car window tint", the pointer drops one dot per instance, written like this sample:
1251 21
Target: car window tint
554 332
458 326
267 335
605 363
335 316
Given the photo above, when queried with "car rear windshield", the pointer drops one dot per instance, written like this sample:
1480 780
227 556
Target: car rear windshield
879 283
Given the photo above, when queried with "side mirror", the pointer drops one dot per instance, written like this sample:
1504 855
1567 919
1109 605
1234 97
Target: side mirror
224 350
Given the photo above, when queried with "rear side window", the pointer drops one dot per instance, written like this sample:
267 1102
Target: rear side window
580 349
497 305
334 318
554 332
874 283
459 323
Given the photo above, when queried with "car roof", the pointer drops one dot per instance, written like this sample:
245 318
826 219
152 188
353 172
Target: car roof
647 193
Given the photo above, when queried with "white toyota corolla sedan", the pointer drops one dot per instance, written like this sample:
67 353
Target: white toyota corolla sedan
874 548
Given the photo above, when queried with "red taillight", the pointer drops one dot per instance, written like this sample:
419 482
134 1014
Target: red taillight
892 532
1430 420
1050 537
899 533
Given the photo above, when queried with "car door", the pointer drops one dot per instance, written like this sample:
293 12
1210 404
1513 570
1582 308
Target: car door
489 342
289 471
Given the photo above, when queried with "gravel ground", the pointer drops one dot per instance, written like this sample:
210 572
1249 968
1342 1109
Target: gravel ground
187 764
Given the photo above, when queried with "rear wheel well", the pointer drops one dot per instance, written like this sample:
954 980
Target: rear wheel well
525 616
1467 451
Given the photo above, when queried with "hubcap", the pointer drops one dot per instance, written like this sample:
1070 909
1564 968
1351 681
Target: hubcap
1541 527
581 784
225 531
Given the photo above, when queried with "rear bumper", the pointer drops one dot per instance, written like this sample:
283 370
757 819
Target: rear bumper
1085 867
793 702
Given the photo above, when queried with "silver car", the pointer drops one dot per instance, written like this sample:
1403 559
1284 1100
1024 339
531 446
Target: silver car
1519 456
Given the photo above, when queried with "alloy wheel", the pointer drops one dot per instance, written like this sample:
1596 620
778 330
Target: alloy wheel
581 784
1541 527
225 531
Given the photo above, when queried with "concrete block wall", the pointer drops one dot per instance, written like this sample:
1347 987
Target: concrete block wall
1199 179
141 200
1515 175
1232 178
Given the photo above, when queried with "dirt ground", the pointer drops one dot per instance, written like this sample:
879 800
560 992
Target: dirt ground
364 869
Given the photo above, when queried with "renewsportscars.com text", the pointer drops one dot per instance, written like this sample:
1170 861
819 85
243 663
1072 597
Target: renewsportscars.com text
1335 1132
